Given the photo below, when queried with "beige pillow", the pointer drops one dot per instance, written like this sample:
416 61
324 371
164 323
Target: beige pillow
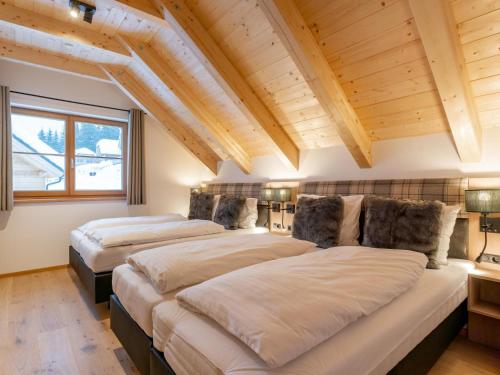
349 230
249 214
448 219
216 204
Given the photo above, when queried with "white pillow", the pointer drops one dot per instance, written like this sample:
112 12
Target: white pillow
448 218
216 204
349 230
249 214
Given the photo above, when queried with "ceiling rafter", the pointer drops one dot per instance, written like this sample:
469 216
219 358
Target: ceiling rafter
210 55
141 8
437 29
38 57
63 30
159 67
297 38
145 99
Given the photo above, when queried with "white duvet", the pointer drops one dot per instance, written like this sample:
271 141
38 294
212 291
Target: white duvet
283 308
89 227
183 264
146 233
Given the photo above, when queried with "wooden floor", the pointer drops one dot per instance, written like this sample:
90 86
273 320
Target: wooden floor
47 327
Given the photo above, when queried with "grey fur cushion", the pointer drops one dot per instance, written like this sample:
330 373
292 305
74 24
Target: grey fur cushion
403 224
228 211
200 206
318 220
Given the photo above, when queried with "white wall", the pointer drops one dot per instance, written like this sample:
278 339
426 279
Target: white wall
36 235
418 157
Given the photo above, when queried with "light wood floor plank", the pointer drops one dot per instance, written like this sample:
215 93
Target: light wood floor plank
47 326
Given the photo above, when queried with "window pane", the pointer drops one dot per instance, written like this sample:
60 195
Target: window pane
98 173
98 140
34 134
38 172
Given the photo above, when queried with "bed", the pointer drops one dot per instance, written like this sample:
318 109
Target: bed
94 266
423 321
135 296
194 344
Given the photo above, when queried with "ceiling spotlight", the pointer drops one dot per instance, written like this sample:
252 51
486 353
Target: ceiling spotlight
77 7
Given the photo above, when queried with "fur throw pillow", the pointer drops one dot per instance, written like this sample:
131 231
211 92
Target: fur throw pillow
319 220
229 210
200 206
403 224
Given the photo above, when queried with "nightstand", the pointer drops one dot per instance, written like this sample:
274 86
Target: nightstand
484 307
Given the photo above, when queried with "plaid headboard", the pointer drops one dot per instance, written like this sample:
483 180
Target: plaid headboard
448 190
249 190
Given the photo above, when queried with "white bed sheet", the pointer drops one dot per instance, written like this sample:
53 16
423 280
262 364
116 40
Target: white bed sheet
102 260
372 345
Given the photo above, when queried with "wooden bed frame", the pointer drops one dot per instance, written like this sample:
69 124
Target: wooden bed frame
150 361
97 284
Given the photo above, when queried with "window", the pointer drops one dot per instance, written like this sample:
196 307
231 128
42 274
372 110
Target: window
61 156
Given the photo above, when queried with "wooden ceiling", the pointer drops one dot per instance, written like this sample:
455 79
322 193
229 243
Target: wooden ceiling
235 79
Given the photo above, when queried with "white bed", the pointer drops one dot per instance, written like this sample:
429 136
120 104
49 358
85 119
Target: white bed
102 260
196 345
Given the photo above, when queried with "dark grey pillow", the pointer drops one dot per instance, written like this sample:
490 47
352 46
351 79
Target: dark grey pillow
318 220
403 224
228 211
459 239
201 206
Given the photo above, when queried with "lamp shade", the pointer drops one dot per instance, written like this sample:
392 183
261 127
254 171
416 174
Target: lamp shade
267 194
282 195
482 200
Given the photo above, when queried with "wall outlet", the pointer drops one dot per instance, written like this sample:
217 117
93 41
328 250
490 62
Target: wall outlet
491 258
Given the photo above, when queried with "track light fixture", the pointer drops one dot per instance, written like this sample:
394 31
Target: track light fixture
76 7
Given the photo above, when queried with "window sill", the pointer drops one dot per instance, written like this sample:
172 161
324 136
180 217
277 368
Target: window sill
22 200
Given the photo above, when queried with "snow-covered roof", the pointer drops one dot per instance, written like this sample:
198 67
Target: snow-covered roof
108 147
84 151
27 141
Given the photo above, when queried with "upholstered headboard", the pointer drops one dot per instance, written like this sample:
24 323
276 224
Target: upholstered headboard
249 190
448 190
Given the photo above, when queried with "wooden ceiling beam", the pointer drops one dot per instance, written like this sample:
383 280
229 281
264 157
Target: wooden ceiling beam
141 8
145 99
211 56
64 30
158 66
10 51
437 29
300 43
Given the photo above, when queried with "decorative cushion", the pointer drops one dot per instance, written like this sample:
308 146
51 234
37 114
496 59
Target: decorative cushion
448 219
216 203
229 210
319 220
403 224
349 229
249 214
200 206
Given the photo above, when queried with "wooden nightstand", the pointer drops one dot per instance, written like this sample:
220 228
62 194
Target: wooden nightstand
484 307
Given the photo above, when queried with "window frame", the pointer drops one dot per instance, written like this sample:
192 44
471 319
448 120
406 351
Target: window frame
70 193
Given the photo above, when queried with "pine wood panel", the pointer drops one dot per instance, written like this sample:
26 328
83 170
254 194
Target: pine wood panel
478 24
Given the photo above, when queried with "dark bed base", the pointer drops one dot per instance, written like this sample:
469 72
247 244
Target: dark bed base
418 362
133 339
97 284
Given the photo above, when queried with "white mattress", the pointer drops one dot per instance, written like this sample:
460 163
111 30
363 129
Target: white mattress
101 260
138 295
372 345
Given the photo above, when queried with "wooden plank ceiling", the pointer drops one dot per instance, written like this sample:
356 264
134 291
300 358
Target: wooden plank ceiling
235 79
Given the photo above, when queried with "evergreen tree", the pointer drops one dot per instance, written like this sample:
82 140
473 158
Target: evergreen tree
41 135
